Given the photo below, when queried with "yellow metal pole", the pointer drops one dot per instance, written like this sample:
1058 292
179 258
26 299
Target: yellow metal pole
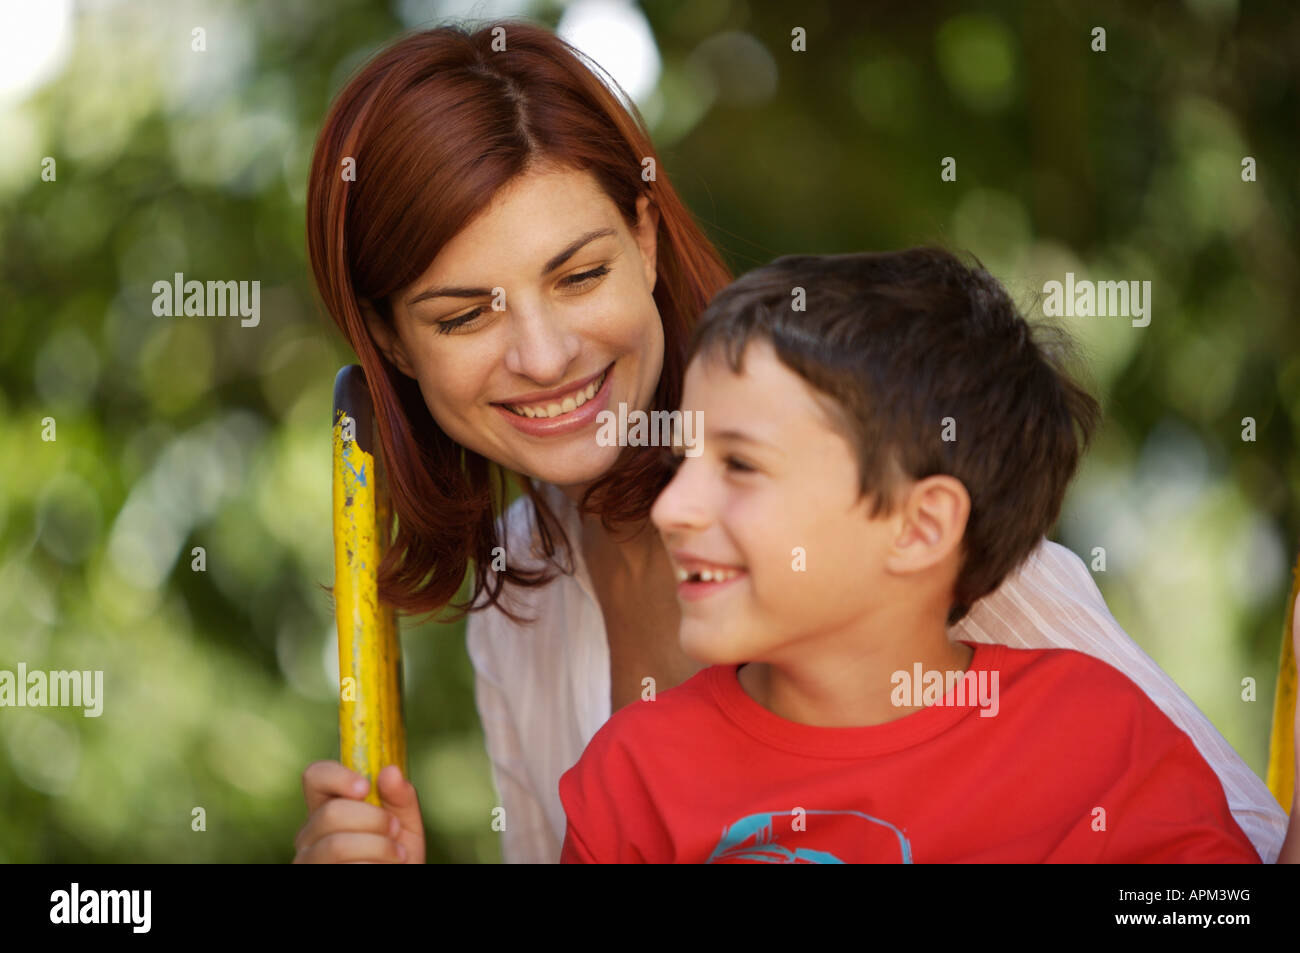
1281 749
371 730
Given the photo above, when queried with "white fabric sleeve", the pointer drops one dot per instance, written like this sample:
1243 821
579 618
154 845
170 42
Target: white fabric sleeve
1052 602
527 838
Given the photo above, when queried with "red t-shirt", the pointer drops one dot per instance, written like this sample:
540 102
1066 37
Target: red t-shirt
1077 765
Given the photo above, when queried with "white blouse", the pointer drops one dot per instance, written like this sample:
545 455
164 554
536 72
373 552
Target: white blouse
542 690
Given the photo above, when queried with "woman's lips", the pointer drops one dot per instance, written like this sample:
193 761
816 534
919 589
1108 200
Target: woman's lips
576 419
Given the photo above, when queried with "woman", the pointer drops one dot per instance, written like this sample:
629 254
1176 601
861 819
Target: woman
490 229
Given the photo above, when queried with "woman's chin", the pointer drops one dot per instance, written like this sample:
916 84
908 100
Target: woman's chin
571 468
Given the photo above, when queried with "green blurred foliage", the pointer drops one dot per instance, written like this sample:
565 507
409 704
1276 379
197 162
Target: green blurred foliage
177 433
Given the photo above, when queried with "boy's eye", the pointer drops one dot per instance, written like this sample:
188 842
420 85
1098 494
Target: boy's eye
673 458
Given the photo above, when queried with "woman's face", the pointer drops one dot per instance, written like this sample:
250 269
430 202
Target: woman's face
537 316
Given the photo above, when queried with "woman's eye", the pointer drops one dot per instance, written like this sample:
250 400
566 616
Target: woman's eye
573 282
585 278
445 327
738 466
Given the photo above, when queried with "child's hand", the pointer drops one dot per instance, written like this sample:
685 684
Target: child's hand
342 828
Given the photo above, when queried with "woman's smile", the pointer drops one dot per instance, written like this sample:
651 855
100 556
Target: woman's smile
561 411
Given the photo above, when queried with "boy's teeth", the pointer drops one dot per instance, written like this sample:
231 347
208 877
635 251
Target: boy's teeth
706 575
569 404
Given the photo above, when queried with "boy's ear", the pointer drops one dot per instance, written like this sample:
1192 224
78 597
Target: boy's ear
386 339
932 523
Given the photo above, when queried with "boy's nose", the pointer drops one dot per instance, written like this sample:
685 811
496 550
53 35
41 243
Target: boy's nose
682 505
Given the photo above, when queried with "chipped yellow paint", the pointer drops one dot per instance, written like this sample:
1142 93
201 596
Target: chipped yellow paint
1281 750
371 732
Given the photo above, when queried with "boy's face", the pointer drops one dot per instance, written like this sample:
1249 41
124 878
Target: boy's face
770 507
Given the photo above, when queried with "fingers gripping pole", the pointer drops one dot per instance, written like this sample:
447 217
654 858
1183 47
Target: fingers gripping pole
371 731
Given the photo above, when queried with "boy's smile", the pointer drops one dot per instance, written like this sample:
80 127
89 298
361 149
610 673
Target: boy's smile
698 578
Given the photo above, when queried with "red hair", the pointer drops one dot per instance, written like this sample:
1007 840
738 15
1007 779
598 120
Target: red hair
436 124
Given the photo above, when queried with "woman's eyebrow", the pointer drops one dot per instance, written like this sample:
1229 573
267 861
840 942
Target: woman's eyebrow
556 261
572 248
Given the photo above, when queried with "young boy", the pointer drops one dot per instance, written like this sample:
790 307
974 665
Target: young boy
884 440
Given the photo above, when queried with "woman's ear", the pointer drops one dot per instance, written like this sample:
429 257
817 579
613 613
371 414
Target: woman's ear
386 339
647 237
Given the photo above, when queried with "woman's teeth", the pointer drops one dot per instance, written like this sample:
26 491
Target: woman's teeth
707 575
555 408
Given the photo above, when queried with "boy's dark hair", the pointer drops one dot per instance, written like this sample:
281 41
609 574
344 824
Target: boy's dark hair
901 340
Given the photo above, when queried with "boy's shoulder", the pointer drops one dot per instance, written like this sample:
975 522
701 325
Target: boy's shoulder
650 726
1065 678
1081 699
1061 668
1104 733
662 712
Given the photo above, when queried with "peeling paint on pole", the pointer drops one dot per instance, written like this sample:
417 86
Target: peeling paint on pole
371 730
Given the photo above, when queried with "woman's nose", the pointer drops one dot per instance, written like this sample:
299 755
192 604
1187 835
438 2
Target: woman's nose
541 348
